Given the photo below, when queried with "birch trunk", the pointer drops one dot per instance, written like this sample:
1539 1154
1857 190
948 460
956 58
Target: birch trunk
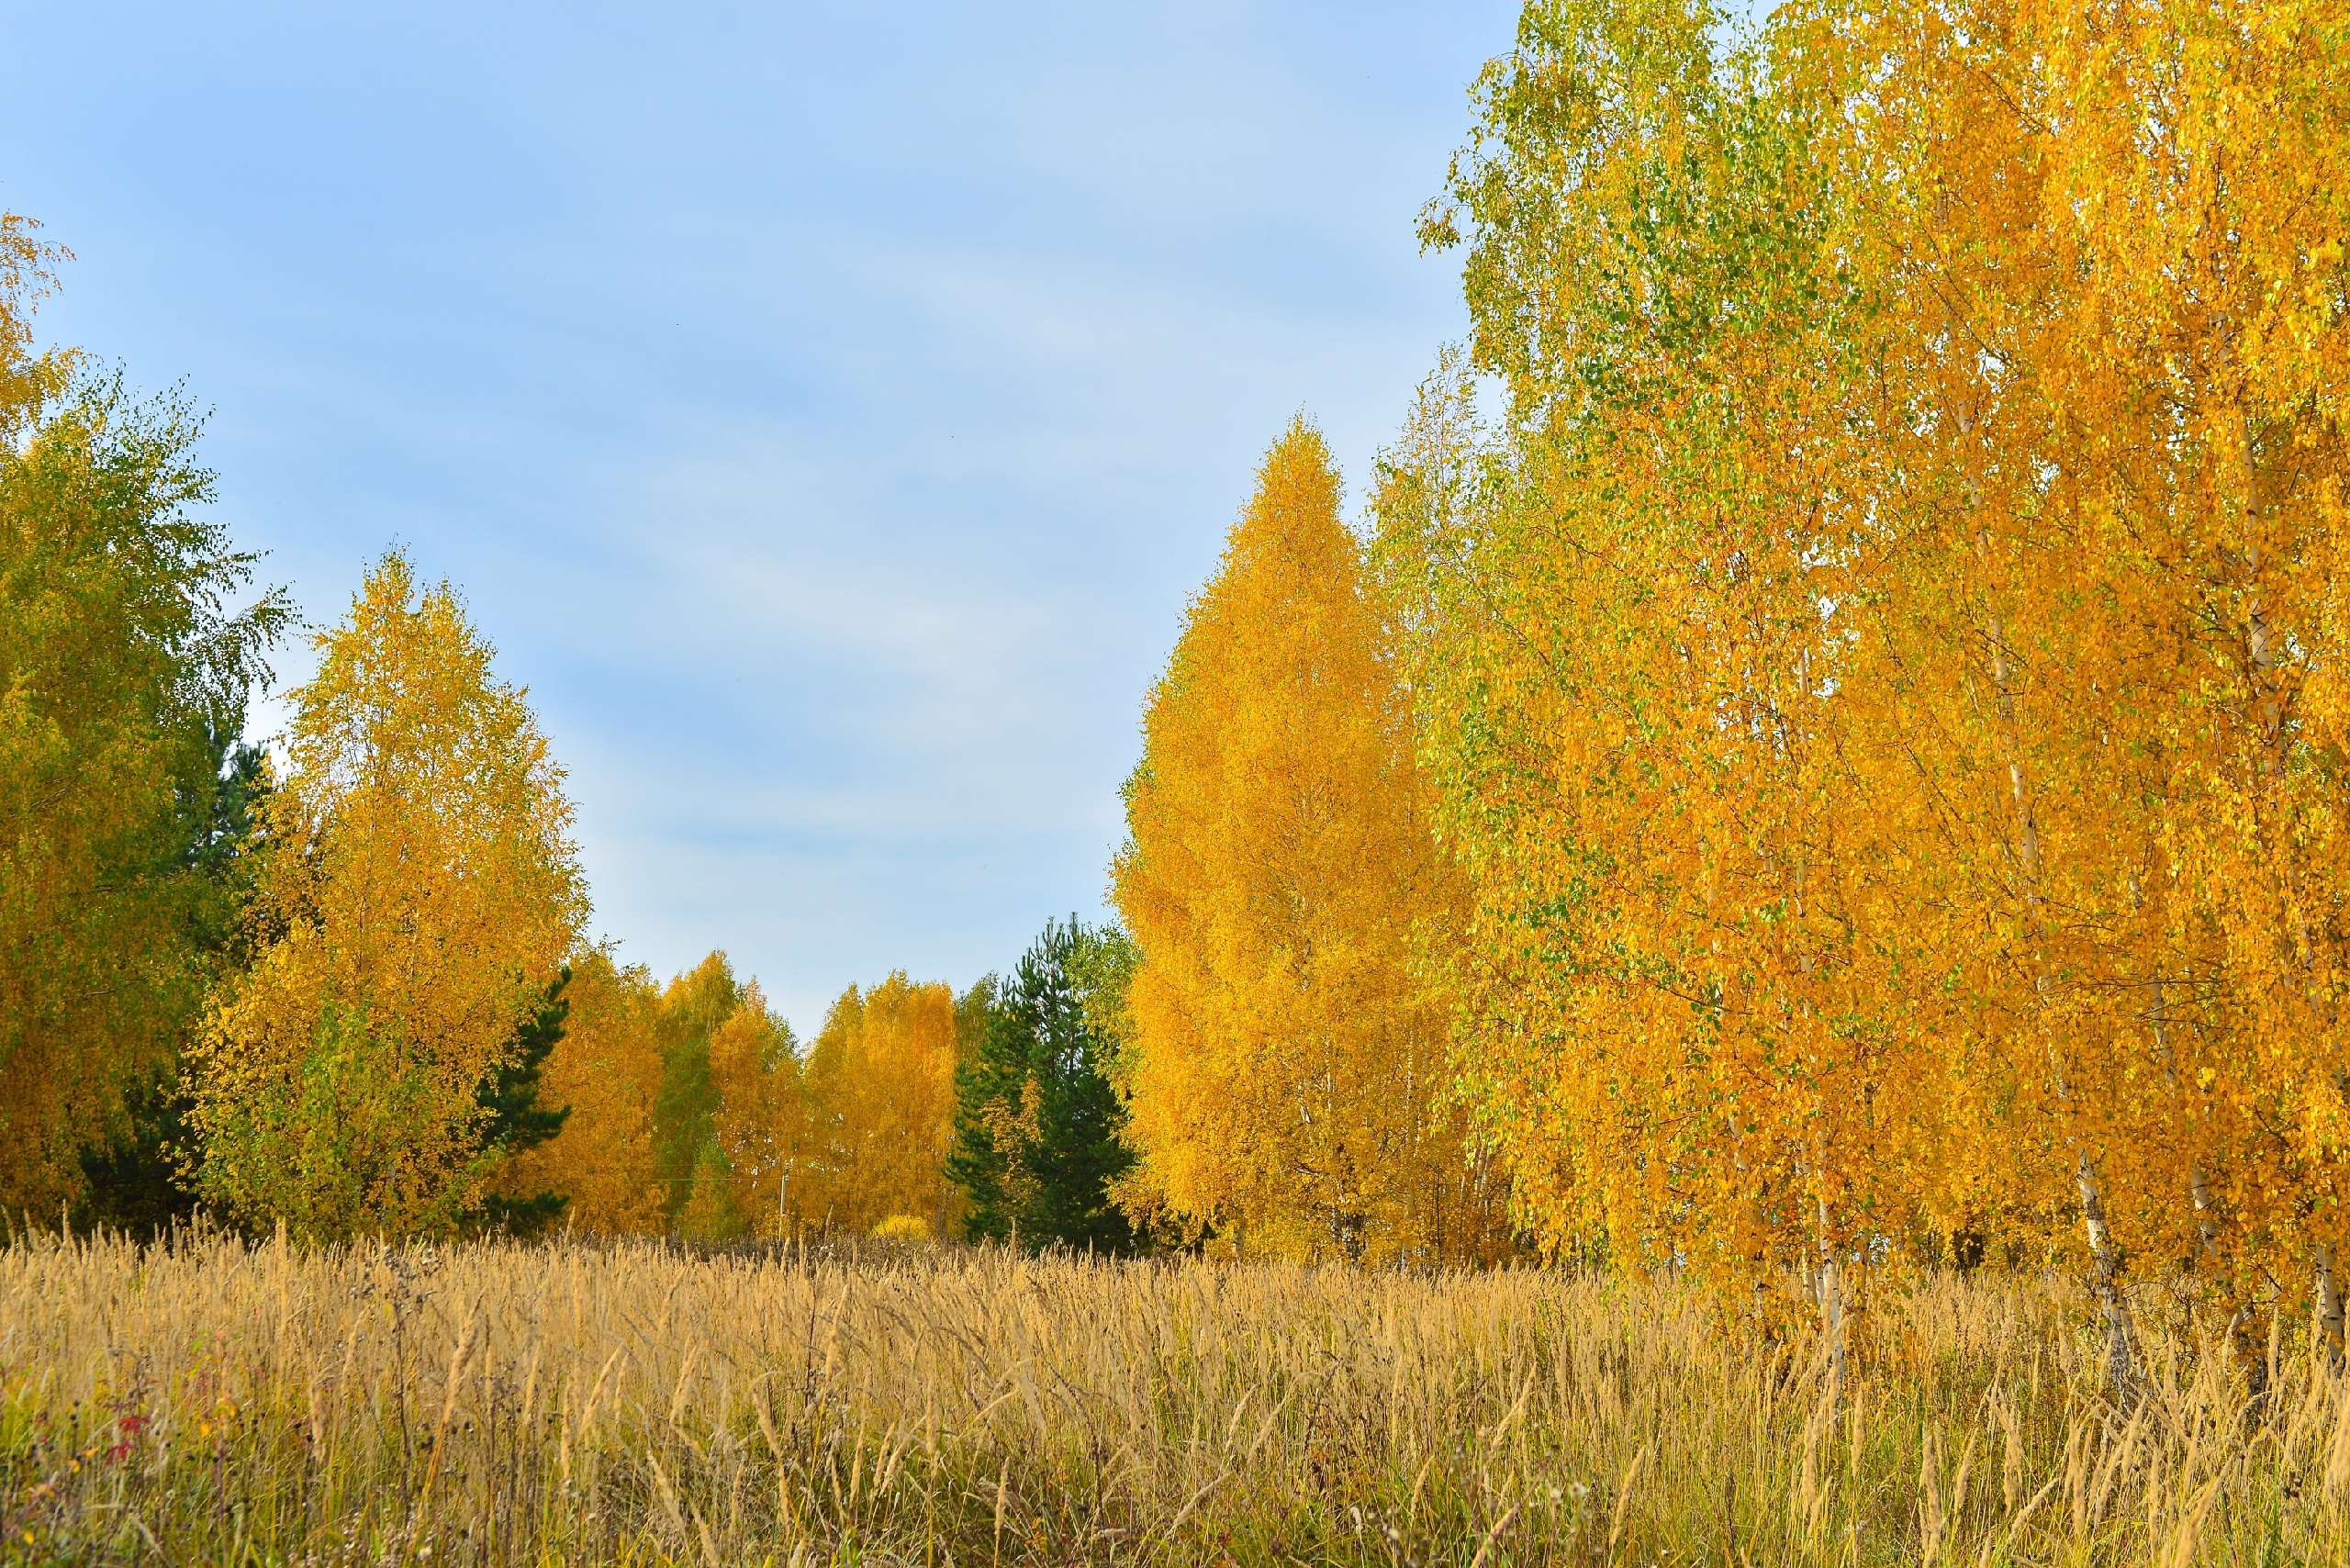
1831 1305
2327 1330
2207 1220
2198 1187
2105 1280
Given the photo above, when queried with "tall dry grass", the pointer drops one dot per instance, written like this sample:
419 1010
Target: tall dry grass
211 1402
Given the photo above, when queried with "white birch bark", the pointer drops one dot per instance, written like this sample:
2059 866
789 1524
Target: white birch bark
1832 1301
2327 1330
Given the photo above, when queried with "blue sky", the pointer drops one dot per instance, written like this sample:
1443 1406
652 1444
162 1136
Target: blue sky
825 410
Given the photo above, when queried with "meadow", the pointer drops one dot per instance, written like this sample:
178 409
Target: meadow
215 1401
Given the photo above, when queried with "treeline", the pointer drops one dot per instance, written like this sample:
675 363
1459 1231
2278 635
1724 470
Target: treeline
691 1109
349 989
1835 765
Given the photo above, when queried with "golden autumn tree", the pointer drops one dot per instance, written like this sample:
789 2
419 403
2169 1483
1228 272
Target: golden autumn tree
2111 304
763 1127
1624 617
28 270
1864 667
606 1070
728 1092
700 1077
419 891
689 1162
1286 1075
1751 989
880 1083
2193 389
124 677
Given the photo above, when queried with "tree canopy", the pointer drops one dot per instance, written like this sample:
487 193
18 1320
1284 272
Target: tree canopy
125 664
1286 1073
418 892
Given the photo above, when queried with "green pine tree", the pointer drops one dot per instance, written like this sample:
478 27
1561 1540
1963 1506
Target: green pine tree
1036 1120
517 1121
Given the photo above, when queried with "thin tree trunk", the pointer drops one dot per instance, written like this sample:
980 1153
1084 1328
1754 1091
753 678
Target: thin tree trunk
1832 1306
2198 1187
2105 1281
2207 1217
2327 1330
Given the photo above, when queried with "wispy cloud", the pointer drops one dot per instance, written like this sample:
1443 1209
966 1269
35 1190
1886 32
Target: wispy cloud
827 411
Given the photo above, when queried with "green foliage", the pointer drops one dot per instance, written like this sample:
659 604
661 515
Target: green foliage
685 1111
124 676
973 1011
516 1120
1102 970
1037 1119
709 1213
510 1094
133 1182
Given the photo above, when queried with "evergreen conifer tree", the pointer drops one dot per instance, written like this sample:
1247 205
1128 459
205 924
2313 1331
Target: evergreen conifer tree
1037 1119
517 1121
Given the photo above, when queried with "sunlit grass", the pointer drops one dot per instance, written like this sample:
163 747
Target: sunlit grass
219 1402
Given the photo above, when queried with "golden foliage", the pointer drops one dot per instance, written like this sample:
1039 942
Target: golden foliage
28 271
1286 1075
1874 670
607 1069
688 1158
880 1087
419 891
763 1139
764 1126
1624 669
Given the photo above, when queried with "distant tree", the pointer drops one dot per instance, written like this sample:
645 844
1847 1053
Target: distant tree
973 1009
1037 1119
694 1006
762 1129
709 1213
683 1104
880 1088
605 1069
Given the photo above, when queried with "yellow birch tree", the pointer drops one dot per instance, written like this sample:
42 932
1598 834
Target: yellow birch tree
1286 1073
1877 673
1627 625
419 891
764 1128
606 1070
879 1081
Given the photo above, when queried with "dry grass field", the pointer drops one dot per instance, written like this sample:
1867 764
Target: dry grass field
216 1403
